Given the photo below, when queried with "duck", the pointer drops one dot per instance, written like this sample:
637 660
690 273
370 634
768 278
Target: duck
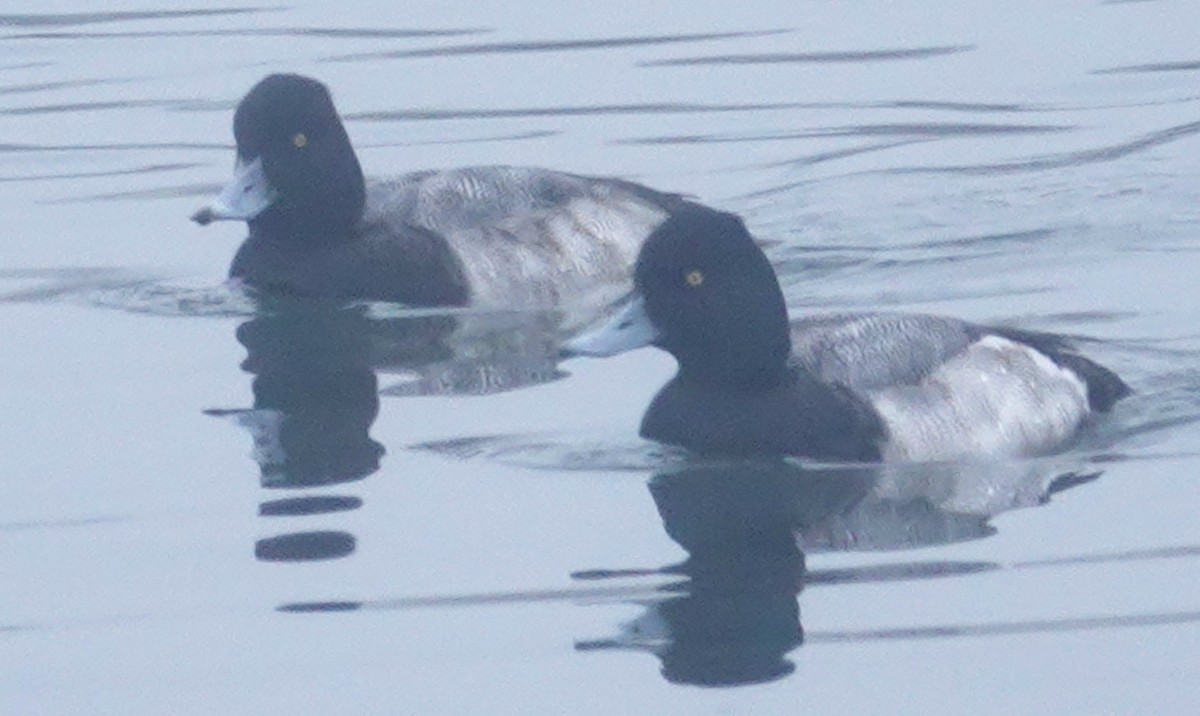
497 236
870 387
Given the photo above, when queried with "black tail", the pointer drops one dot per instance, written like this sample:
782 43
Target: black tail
1104 387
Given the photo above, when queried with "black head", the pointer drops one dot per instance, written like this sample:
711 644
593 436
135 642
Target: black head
290 123
714 299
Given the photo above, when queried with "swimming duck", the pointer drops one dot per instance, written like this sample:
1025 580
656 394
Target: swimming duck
869 387
496 236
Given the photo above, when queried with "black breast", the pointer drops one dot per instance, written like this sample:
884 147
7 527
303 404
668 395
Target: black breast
801 417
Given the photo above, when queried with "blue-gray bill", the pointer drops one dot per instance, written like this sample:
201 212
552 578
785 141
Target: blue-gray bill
630 328
243 198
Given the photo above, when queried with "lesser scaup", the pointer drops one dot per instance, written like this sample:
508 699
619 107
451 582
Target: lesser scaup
868 387
481 235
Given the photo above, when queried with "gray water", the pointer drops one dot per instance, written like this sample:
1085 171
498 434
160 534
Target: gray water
209 509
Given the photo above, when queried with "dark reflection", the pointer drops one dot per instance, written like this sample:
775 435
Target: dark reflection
737 617
987 107
304 546
308 506
316 386
310 607
314 397
747 526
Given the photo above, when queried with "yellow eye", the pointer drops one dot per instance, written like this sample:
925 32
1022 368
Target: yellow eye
300 140
694 279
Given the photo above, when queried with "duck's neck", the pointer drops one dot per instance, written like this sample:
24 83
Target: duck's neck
300 226
747 345
313 221
748 366
319 203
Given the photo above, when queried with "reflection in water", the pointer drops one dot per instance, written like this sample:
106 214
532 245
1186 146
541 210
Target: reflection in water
316 393
747 525
309 505
314 397
737 617
477 353
305 546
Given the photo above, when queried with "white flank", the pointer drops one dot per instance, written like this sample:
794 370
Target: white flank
998 398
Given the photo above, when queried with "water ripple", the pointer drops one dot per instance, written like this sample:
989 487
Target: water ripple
956 106
337 33
60 523
56 283
120 147
835 154
915 130
531 596
558 452
1033 626
602 43
423 114
175 191
49 86
92 18
25 66
1186 66
86 106
567 111
144 169
1066 159
126 290
907 53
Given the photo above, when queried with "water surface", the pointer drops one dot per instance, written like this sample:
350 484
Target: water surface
218 507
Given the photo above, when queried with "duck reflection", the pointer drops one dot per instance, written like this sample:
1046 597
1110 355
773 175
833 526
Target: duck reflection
747 526
316 386
315 396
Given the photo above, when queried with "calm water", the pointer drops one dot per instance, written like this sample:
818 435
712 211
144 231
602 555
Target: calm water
304 509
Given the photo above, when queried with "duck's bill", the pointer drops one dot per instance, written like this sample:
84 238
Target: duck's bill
244 198
630 328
